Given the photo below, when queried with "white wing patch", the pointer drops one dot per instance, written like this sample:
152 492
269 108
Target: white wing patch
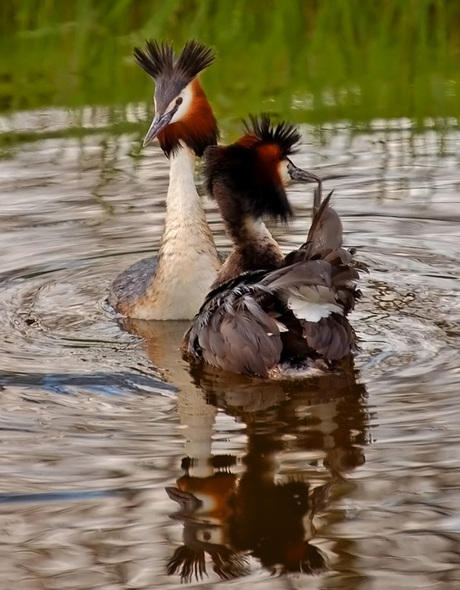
281 327
311 303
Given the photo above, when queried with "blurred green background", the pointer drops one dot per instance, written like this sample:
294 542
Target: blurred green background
308 60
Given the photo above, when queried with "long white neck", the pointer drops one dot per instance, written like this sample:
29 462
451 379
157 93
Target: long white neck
188 260
182 200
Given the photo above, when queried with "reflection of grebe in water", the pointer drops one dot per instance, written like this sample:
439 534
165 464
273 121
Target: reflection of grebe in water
172 286
270 314
263 501
267 512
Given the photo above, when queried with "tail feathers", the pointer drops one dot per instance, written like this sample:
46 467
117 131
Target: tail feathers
238 337
320 301
307 289
239 327
332 337
344 276
326 229
244 324
324 237
324 244
321 307
336 271
347 298
310 272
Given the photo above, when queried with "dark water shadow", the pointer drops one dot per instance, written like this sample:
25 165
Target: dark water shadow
103 383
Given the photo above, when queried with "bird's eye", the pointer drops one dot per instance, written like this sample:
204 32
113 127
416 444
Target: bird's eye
179 101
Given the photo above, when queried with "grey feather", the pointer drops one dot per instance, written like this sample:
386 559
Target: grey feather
235 328
133 282
326 229
238 326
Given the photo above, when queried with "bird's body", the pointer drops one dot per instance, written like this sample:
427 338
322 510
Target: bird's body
280 312
171 286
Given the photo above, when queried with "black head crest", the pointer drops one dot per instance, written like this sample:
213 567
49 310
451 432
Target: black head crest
158 61
195 58
284 135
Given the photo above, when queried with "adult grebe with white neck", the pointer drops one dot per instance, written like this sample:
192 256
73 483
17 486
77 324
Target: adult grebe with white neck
172 286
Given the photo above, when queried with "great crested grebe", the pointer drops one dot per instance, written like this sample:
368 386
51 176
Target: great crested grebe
269 314
171 287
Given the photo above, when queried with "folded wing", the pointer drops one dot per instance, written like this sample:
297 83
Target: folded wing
251 324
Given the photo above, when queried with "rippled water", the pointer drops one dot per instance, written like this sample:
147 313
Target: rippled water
106 437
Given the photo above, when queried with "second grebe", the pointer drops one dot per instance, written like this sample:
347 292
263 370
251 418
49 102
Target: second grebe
171 287
280 313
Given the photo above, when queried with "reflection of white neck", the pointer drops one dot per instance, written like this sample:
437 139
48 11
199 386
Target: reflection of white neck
188 261
198 418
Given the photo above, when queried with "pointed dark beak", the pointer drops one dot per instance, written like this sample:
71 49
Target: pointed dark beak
299 175
158 124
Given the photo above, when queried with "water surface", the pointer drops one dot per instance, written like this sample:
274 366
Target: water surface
351 482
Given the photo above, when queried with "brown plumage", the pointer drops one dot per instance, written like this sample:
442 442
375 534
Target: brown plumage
286 314
246 181
198 128
254 323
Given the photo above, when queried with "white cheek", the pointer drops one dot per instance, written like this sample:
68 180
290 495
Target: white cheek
187 97
283 172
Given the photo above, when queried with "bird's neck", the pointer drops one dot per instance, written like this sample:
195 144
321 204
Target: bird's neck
188 260
182 198
254 248
186 226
